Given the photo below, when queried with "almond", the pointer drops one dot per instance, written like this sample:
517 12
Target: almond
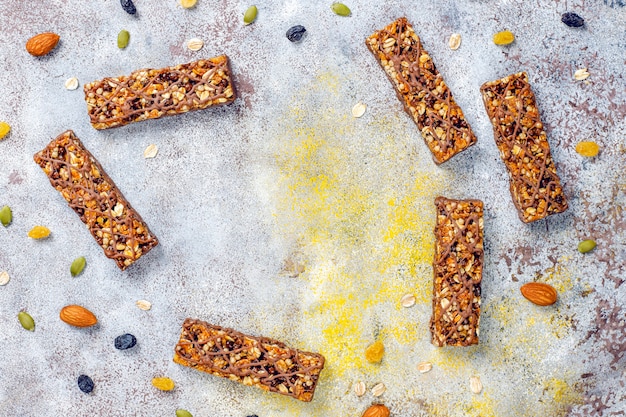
42 44
77 316
539 293
376 410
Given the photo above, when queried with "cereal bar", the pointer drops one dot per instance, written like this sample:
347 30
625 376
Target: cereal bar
80 179
422 90
154 93
521 139
265 363
458 268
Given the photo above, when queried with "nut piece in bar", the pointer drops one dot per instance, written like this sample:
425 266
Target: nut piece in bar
259 361
422 90
458 269
154 93
80 179
523 144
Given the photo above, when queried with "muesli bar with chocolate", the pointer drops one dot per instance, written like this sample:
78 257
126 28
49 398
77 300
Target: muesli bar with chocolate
80 179
154 93
256 361
523 144
458 268
422 90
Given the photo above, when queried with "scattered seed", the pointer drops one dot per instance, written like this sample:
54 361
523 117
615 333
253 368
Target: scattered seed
359 109
183 413
572 20
424 367
503 38
122 39
5 128
195 44
144 305
39 232
128 6
378 389
296 33
6 216
151 151
250 15
85 384
475 385
455 41
581 74
77 266
188 4
588 149
71 83
125 341
163 383
26 321
4 278
341 9
374 352
359 388
408 300
586 246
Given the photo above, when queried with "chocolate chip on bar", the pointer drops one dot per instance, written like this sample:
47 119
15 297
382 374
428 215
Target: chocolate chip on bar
80 179
523 144
154 93
422 90
458 268
265 363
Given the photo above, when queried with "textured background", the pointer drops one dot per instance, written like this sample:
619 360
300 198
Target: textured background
285 176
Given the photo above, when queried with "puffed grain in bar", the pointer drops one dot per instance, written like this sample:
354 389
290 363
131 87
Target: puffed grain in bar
422 90
154 93
80 179
458 268
523 144
256 361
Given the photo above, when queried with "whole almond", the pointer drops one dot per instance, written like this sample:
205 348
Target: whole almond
376 410
77 316
42 44
539 293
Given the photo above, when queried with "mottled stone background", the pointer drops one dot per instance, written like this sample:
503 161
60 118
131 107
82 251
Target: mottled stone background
282 215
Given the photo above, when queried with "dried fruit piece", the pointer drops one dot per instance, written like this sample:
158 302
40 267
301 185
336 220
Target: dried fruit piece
26 321
539 293
475 385
455 41
6 216
128 6
503 38
77 316
581 74
407 300
378 389
424 367
163 383
188 4
359 388
359 109
296 33
4 278
125 341
85 384
376 410
71 83
572 20
39 232
341 9
195 44
183 413
586 246
42 44
77 266
588 149
144 305
250 15
5 128
122 39
374 352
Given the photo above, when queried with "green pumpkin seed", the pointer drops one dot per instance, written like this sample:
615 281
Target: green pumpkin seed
6 216
26 321
77 266
586 246
250 15
122 39
341 9
183 413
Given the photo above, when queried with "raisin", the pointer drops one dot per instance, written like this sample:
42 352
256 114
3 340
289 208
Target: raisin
125 341
505 37
296 33
374 352
588 149
85 384
572 20
128 6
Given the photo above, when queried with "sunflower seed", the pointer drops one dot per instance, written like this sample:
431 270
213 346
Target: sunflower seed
195 44
151 151
455 41
378 389
359 109
359 388
4 278
407 300
71 83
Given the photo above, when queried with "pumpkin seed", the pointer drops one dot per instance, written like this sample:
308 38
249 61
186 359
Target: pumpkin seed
77 266
250 15
122 39
26 321
586 246
341 9
183 413
6 216
4 278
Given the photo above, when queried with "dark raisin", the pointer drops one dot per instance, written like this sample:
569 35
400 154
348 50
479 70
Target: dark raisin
295 33
572 20
128 6
85 384
253 415
125 341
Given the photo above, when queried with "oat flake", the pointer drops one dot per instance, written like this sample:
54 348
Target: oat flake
359 388
581 74
359 109
378 389
144 305
408 300
195 44
151 151
475 385
4 278
424 367
71 83
455 41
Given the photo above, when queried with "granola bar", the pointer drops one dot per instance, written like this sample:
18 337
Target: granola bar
523 144
422 90
258 361
80 179
154 93
458 268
